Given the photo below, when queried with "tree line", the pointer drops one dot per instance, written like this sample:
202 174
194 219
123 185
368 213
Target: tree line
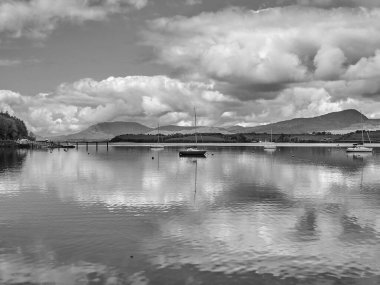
11 127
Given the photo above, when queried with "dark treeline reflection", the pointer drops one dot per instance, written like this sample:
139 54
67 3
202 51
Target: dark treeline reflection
11 158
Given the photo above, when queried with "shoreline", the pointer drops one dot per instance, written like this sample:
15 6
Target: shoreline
332 145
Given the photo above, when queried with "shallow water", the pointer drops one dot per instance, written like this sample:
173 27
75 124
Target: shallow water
240 216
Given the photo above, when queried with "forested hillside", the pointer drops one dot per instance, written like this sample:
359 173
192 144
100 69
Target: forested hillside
11 128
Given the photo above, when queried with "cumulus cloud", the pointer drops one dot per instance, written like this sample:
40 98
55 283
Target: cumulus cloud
248 48
258 56
365 68
37 18
237 66
75 106
329 63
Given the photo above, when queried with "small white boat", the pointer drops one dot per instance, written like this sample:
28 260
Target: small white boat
270 145
359 148
158 146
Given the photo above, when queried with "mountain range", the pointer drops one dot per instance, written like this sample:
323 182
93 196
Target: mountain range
105 131
337 122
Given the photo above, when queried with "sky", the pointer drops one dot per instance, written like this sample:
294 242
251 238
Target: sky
69 64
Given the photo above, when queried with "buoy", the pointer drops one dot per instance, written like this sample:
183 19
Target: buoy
152 157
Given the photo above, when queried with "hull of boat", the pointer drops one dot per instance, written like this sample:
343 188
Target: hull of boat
192 153
269 147
69 146
357 149
157 147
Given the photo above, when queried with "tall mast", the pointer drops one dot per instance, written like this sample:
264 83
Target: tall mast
158 133
361 120
195 123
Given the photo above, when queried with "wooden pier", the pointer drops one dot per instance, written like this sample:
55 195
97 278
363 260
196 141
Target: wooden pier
86 143
51 144
8 143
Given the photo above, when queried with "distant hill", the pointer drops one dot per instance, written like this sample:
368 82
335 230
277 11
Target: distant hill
105 131
236 129
344 121
171 130
337 122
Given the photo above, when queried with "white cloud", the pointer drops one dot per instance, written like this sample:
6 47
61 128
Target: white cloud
37 18
329 63
135 98
236 66
256 54
303 102
365 68
76 106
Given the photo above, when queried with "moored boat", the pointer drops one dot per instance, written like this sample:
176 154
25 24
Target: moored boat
359 148
157 146
270 145
68 145
193 151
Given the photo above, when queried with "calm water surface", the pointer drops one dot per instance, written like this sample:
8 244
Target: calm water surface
240 216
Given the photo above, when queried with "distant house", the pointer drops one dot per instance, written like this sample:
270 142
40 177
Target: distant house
23 141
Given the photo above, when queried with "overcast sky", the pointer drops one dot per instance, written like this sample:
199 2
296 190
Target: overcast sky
69 64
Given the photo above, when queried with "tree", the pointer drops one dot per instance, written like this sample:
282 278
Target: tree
12 128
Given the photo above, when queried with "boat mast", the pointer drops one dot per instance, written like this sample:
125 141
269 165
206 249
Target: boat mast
361 120
195 123
158 133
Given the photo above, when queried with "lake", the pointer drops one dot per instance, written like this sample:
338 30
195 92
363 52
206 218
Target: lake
242 215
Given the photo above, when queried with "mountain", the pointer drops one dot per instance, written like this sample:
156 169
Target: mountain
338 122
105 131
236 129
171 130
332 122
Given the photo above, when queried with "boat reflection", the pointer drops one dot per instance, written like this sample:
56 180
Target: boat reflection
360 156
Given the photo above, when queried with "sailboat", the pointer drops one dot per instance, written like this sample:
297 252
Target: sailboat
193 151
270 145
157 146
360 147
